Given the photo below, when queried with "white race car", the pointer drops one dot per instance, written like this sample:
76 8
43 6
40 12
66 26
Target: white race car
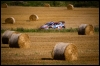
54 25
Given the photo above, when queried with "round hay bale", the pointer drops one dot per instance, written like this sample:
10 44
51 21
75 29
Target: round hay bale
10 20
65 51
85 29
70 7
33 17
6 35
4 5
46 5
19 41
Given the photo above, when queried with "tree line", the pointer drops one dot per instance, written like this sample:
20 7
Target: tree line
53 3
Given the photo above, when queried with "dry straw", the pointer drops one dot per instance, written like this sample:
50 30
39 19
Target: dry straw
46 5
85 29
6 35
70 7
10 20
19 40
65 51
33 17
4 5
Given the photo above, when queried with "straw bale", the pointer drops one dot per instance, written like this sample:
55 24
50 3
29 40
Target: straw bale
10 20
46 5
85 29
65 51
33 17
4 5
19 40
70 7
6 35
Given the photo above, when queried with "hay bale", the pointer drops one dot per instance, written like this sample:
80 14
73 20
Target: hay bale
85 29
4 5
6 35
10 20
33 17
65 51
70 7
46 5
19 40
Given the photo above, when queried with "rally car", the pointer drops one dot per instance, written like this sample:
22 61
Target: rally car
53 25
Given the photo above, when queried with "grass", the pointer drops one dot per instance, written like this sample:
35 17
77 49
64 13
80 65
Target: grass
21 29
42 30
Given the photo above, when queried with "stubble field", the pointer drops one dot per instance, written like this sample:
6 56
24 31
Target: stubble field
43 43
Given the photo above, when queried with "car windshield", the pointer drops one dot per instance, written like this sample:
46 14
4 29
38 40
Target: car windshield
50 23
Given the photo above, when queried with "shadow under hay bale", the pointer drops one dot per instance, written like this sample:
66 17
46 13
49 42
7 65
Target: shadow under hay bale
19 41
6 35
70 7
3 23
33 17
4 5
10 20
65 51
46 5
85 29
46 59
4 46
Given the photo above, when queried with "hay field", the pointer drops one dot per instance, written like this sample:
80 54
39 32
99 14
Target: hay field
73 18
43 43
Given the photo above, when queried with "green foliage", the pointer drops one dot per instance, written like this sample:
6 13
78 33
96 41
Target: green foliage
86 4
2 31
35 3
53 3
47 31
96 29
58 3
